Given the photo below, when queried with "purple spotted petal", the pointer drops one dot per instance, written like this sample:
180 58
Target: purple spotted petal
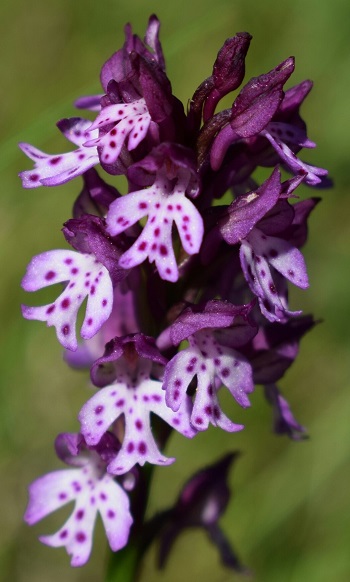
76 130
52 170
163 206
86 277
130 120
51 492
212 365
136 404
313 174
285 258
290 134
263 283
92 494
207 410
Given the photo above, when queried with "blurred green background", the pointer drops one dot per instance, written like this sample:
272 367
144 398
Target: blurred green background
289 519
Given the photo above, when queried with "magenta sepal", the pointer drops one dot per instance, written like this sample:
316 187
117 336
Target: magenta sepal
85 277
93 491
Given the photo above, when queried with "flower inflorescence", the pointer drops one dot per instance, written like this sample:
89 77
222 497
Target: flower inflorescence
214 277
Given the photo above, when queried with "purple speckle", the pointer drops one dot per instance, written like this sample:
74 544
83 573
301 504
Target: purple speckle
65 329
120 403
99 409
74 271
63 534
199 420
68 261
104 302
156 398
80 537
163 250
142 448
50 309
225 372
130 448
76 486
79 514
50 275
34 177
55 160
138 424
208 410
62 495
110 514
65 303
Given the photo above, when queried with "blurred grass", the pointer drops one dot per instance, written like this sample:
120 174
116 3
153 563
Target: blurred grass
289 519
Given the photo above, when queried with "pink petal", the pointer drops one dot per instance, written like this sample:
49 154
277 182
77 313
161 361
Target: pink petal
75 534
113 505
87 278
49 493
55 169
